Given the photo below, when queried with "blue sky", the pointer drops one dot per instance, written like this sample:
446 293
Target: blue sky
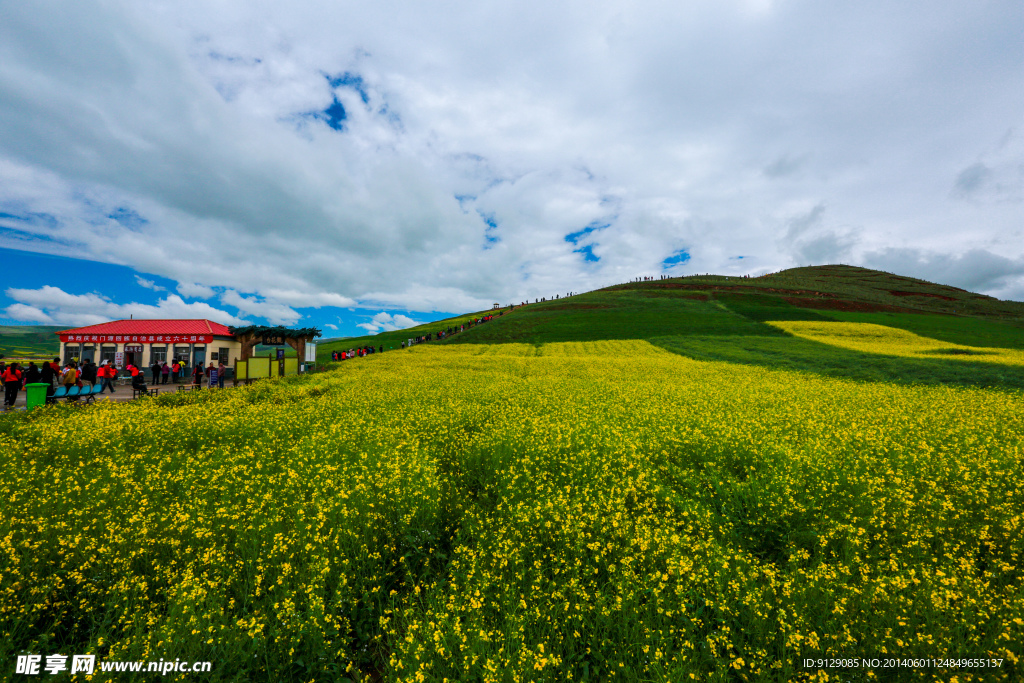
320 163
109 291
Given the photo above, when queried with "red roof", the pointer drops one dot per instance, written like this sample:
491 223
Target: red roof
202 326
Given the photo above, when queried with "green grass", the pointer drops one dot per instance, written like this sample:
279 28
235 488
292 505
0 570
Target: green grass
393 340
792 353
847 288
762 308
953 329
29 341
723 319
623 314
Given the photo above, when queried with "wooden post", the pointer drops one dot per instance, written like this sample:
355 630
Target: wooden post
299 344
248 342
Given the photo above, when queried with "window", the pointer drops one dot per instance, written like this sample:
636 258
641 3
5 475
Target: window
107 352
181 353
222 354
157 354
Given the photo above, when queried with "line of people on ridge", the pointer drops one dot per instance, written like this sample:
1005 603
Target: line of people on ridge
651 278
543 300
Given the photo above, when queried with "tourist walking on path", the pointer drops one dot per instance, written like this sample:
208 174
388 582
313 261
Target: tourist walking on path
176 369
197 375
165 370
222 371
12 384
155 370
108 373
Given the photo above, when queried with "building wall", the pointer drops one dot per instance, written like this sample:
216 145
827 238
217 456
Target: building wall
99 351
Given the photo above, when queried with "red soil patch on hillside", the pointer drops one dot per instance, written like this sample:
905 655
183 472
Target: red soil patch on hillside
897 292
851 306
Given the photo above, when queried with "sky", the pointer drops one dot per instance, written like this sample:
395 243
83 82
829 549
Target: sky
367 166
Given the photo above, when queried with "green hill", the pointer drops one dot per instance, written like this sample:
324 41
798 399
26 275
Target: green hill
29 341
724 318
393 339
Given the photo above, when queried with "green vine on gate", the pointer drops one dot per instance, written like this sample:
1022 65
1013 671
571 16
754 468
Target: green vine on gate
250 335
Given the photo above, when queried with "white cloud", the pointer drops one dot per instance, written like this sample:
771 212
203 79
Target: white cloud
29 314
53 306
194 291
330 326
187 143
149 284
387 322
308 299
277 314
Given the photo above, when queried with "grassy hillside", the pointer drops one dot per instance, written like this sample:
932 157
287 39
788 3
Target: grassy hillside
720 318
702 304
392 340
29 341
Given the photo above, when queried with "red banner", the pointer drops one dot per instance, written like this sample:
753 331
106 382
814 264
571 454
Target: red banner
137 338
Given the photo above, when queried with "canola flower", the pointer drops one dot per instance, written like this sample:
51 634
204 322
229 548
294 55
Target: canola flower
602 511
891 341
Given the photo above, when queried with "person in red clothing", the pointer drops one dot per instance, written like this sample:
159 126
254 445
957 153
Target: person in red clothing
108 373
12 384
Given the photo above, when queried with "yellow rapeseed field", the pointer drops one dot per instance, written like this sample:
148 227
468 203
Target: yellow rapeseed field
581 511
891 341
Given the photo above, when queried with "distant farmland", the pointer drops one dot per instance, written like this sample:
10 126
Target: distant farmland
29 341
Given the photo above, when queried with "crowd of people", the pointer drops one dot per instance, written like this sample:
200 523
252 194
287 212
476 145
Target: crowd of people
85 374
52 373
355 353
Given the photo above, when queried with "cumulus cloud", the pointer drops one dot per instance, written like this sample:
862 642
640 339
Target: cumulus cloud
276 313
53 306
29 314
811 241
394 157
149 284
387 322
194 291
